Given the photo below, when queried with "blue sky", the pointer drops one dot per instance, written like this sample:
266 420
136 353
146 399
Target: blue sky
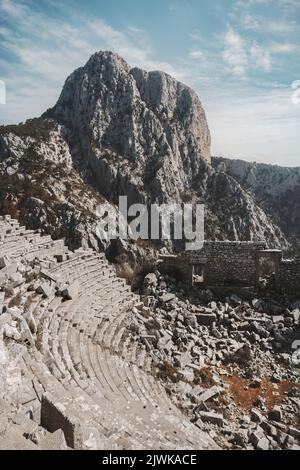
241 56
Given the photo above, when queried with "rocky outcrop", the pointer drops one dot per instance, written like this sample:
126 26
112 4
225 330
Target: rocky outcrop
50 146
275 189
232 214
142 133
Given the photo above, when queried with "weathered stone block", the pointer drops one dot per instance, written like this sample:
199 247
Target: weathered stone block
206 318
211 417
45 289
54 416
210 393
4 261
71 292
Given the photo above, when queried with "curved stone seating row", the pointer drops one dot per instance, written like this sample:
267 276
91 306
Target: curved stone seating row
84 374
17 242
54 334
112 382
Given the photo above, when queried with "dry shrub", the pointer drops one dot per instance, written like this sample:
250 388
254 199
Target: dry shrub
203 377
8 291
28 302
135 275
125 271
15 301
168 372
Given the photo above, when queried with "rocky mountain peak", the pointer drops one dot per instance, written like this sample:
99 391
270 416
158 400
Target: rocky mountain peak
148 119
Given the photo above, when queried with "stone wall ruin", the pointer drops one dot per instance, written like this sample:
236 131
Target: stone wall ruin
235 263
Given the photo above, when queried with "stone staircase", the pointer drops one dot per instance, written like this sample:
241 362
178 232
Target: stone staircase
81 374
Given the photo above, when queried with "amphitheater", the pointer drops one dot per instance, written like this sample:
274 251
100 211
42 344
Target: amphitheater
71 375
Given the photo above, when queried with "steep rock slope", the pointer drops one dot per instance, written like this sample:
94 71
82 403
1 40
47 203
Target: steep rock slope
134 128
275 189
232 214
40 186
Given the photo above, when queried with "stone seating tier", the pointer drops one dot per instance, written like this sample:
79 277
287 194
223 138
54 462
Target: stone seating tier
84 376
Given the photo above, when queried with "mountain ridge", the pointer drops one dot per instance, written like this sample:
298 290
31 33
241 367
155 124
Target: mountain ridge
117 130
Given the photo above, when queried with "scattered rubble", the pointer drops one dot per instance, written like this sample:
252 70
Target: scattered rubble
228 364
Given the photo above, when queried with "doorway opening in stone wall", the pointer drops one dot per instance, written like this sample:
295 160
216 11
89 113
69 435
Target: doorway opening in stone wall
198 273
268 266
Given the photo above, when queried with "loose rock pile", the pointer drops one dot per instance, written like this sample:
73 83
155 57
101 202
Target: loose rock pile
232 366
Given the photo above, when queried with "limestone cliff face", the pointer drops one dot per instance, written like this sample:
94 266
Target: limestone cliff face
275 189
144 131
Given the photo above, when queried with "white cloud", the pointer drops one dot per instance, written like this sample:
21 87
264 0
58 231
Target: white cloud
261 57
196 54
260 126
235 53
133 29
44 51
251 22
288 5
242 55
259 23
252 2
284 48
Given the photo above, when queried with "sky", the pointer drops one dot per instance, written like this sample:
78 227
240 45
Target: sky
242 57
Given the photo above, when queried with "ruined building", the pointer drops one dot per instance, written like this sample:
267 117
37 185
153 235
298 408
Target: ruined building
240 264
